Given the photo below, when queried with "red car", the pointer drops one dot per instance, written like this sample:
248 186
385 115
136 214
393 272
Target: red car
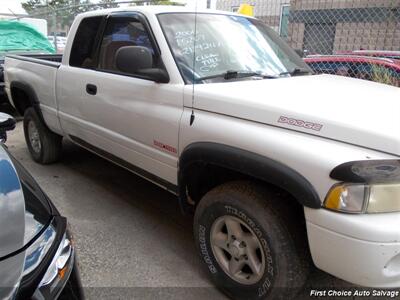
374 53
384 70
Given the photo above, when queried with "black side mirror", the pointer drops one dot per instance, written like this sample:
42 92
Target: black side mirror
156 74
139 60
7 123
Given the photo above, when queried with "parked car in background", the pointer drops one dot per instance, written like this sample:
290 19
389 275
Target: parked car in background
374 53
383 70
61 41
19 38
37 256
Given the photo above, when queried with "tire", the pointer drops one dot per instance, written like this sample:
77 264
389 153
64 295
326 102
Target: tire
44 145
281 253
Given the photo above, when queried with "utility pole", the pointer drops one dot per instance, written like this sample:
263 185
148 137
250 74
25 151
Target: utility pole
54 20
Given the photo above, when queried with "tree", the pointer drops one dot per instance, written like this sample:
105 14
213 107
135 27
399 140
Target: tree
157 2
107 4
166 2
62 12
31 5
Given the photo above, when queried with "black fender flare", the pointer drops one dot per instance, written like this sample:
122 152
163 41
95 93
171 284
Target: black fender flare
248 163
32 97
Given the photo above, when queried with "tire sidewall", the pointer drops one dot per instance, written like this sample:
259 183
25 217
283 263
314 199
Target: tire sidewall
30 116
234 289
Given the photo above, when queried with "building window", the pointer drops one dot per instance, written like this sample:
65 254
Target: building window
234 8
283 25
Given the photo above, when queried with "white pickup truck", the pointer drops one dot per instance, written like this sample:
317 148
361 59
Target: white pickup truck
276 163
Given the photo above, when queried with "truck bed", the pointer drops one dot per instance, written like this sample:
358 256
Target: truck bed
37 72
53 59
38 58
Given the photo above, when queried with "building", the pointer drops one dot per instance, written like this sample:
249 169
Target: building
270 12
330 26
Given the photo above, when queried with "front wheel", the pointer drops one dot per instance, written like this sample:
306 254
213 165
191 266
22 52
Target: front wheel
246 244
43 144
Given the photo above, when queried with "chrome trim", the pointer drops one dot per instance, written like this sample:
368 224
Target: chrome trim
38 250
52 282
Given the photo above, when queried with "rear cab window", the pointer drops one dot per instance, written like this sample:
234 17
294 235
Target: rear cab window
84 46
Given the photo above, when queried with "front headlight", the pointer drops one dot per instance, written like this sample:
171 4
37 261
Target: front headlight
384 198
375 187
360 198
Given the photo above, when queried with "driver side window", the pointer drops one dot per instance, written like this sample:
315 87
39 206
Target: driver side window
121 32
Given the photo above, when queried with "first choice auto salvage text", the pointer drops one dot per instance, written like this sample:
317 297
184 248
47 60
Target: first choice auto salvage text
357 293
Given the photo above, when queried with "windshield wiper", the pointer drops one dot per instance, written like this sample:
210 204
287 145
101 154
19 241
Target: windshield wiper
236 74
296 71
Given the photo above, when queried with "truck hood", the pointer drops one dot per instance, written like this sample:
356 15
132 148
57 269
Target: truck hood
350 110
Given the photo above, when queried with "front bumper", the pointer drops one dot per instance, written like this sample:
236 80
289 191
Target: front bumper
362 249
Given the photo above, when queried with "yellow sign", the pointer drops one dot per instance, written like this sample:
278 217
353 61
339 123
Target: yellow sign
246 9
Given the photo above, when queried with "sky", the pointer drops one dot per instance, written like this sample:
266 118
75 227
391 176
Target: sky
14 5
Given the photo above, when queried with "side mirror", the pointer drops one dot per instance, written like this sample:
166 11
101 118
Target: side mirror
139 60
156 74
7 123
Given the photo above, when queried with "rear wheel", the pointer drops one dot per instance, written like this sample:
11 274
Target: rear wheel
244 240
44 145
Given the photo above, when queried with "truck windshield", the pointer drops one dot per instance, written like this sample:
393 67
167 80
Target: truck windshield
217 48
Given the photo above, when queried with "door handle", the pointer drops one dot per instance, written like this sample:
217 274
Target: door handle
91 89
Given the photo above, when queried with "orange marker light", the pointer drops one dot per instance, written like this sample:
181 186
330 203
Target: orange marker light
61 273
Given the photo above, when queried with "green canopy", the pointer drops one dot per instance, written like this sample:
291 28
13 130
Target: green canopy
19 36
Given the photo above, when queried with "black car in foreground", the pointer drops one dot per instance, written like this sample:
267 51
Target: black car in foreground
37 256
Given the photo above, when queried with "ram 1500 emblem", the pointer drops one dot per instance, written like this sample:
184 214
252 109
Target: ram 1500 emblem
165 147
300 123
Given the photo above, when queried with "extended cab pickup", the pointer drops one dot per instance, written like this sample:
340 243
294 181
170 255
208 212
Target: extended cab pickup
275 162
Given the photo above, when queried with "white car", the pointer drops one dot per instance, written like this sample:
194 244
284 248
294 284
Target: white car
61 42
275 162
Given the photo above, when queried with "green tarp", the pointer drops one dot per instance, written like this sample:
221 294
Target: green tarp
19 36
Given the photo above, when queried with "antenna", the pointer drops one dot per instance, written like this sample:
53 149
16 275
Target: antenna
194 61
15 15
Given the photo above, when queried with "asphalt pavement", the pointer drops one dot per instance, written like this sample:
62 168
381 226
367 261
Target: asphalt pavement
132 240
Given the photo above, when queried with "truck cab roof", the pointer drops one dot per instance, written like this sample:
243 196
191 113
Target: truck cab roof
154 10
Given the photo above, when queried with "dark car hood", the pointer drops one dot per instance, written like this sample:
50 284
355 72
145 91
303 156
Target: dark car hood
24 213
24 208
12 207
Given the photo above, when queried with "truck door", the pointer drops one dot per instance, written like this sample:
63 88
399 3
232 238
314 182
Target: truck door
123 117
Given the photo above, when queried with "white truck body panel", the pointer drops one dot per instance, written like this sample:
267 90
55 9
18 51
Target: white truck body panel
41 78
148 113
320 99
277 144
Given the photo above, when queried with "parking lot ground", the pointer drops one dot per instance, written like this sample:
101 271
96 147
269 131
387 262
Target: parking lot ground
132 240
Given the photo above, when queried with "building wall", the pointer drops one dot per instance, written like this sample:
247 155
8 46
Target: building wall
358 24
326 26
374 36
268 11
